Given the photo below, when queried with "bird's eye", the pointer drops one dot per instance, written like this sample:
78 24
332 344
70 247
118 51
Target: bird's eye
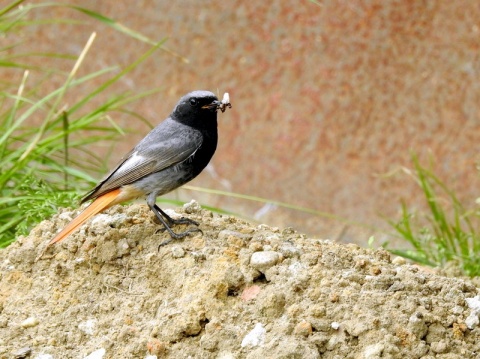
193 101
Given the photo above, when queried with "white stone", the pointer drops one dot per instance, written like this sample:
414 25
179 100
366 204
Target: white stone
44 356
472 321
373 351
29 322
474 303
88 326
256 337
97 354
264 260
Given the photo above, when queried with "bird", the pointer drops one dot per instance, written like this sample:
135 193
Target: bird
170 155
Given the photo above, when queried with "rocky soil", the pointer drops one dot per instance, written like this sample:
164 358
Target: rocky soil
236 291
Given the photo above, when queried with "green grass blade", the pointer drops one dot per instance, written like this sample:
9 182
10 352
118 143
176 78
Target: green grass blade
10 7
451 232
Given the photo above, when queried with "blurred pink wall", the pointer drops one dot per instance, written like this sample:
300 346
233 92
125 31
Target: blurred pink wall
327 98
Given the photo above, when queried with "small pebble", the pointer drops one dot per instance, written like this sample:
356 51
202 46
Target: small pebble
264 260
44 356
256 337
335 325
399 261
192 207
250 293
88 326
303 328
97 354
155 347
457 310
29 322
416 325
22 352
178 252
439 347
226 355
374 350
472 321
474 303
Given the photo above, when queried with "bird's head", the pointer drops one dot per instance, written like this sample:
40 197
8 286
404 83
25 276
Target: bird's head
197 109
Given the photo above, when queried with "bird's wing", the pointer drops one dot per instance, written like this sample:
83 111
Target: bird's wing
163 147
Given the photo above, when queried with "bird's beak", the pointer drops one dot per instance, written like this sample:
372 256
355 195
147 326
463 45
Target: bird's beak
214 106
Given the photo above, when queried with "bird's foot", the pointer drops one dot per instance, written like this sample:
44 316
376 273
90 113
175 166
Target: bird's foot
183 220
168 221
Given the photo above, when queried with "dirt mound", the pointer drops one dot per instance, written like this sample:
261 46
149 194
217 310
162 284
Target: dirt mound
235 291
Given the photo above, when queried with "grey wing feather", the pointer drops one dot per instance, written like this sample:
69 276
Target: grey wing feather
163 147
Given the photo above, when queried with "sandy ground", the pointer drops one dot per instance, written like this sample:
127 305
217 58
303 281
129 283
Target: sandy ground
235 291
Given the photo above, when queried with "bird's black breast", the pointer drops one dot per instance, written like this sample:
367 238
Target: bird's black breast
200 159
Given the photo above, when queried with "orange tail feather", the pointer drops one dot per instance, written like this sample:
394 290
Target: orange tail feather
101 203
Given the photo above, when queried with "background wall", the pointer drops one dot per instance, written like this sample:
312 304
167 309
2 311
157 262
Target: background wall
329 99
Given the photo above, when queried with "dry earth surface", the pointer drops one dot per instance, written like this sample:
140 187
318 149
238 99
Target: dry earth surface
236 291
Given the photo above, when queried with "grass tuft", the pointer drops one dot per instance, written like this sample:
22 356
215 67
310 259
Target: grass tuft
447 233
37 172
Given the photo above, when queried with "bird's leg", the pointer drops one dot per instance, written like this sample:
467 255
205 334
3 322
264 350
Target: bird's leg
160 216
167 221
171 221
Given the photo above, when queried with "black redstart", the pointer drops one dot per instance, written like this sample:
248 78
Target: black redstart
172 154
